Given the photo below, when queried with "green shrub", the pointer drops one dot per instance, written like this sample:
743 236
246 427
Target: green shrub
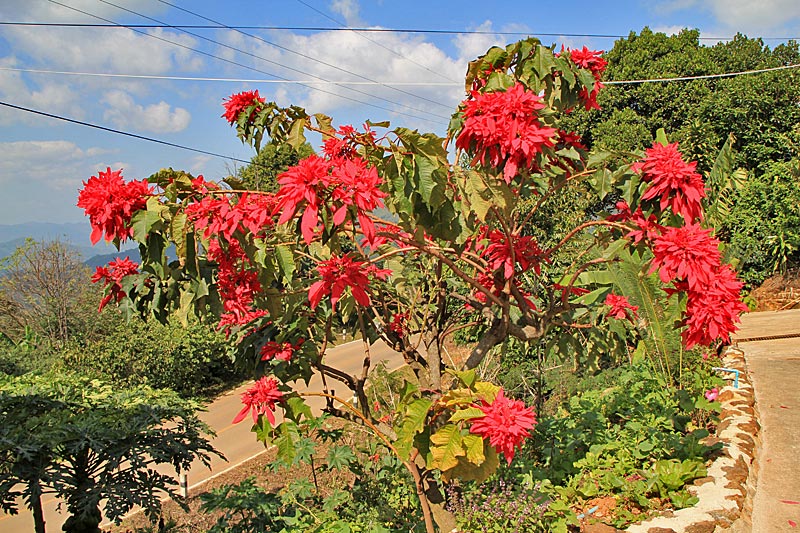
190 360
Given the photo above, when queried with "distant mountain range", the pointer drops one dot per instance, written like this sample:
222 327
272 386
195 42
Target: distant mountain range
73 234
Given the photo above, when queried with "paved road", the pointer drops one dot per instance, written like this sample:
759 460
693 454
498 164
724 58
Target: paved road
774 366
235 441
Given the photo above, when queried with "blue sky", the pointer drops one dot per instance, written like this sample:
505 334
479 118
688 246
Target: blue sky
43 161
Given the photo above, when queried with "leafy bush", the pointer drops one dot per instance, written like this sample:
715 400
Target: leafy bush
764 227
623 433
190 360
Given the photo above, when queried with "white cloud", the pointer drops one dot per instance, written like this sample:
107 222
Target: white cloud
349 9
351 57
124 112
668 30
41 10
755 18
472 45
749 15
48 96
55 163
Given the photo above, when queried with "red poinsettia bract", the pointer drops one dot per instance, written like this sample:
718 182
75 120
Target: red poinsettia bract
506 423
713 312
687 253
593 61
112 275
339 273
647 228
620 306
237 284
110 202
356 184
282 351
239 102
303 182
674 182
260 399
521 249
503 129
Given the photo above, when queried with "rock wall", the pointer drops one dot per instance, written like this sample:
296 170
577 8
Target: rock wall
726 494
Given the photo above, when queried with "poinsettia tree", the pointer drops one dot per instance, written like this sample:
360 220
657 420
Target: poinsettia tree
381 231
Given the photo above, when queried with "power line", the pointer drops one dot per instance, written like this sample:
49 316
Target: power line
304 55
374 41
239 50
231 80
120 132
357 29
356 100
443 84
702 77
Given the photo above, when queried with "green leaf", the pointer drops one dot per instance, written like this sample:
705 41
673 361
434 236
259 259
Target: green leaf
177 229
661 137
297 407
288 435
340 457
413 422
468 471
286 261
474 447
143 221
297 137
487 391
467 414
446 446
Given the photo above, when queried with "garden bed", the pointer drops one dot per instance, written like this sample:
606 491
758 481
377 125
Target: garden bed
726 494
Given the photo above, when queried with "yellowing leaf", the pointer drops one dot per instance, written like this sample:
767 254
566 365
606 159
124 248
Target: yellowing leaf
446 447
486 391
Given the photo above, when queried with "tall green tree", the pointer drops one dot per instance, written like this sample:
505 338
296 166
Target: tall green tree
88 443
262 172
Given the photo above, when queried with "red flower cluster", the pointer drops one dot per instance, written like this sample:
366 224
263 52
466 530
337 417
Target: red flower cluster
260 399
339 183
112 277
593 61
620 306
280 351
713 312
522 250
216 216
110 202
503 128
689 257
399 323
673 181
239 102
506 423
647 227
237 284
338 273
687 253
356 184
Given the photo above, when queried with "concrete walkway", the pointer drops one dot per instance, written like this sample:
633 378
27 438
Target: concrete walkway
774 366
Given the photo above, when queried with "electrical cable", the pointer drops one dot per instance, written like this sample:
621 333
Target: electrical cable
375 42
363 30
443 84
239 50
356 100
120 132
341 69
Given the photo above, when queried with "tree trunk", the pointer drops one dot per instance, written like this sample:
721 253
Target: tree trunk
82 504
36 509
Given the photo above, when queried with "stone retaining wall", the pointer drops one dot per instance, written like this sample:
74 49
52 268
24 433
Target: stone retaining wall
726 494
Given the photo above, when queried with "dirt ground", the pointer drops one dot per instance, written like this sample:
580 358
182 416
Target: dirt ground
780 292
